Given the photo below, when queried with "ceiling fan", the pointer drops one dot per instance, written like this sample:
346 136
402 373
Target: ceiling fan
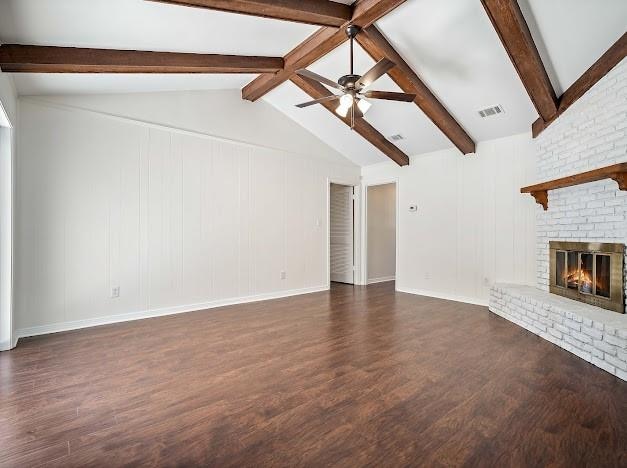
353 87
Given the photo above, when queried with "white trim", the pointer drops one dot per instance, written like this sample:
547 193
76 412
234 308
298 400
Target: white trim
5 121
383 279
8 345
448 297
6 314
78 324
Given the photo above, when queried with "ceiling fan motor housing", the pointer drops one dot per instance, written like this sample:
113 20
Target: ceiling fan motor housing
349 81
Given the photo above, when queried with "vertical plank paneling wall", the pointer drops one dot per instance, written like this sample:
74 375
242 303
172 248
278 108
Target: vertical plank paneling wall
176 220
472 227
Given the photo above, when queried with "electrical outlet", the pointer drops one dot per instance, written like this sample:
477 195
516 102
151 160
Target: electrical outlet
115 292
427 276
486 281
283 275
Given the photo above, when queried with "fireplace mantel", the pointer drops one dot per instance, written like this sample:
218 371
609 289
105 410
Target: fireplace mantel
617 172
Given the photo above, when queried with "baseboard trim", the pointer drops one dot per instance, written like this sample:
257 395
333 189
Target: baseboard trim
448 297
107 320
383 279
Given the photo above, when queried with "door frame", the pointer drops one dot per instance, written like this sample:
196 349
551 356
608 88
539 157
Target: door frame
356 227
8 339
364 230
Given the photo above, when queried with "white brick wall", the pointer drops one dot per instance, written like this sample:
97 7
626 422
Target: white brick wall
593 334
591 134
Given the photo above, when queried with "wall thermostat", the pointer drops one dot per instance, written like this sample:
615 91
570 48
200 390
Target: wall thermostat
413 208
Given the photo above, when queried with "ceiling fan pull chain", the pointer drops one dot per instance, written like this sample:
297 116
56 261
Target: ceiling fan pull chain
353 116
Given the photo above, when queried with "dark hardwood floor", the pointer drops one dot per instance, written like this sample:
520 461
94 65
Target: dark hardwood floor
358 376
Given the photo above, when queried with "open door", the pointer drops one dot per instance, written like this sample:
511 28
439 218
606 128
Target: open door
341 234
380 233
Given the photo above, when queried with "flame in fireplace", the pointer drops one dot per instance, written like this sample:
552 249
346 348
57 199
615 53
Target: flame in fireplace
586 282
572 278
575 277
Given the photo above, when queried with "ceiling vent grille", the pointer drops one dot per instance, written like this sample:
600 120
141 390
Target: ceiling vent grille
491 111
397 137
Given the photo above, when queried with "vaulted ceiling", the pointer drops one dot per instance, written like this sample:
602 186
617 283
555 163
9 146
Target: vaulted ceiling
452 46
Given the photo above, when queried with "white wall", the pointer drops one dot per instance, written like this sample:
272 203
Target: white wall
220 113
472 227
8 118
178 220
591 134
381 235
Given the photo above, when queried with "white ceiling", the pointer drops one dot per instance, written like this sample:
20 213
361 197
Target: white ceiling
454 48
451 45
141 25
572 34
389 118
30 84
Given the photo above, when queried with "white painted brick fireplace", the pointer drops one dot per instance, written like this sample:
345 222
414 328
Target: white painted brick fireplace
590 135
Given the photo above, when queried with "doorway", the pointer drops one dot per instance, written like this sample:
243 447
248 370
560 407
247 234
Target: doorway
381 233
342 233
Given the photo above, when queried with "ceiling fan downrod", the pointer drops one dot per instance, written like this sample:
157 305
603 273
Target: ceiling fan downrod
351 32
349 81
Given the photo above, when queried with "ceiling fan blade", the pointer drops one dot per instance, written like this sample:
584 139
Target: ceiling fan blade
376 72
390 96
318 101
320 79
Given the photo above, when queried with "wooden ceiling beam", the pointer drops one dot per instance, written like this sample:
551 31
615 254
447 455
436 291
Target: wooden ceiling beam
612 57
323 41
319 12
15 58
363 128
513 30
378 47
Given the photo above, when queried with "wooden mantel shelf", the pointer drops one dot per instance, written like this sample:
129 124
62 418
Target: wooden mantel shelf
618 172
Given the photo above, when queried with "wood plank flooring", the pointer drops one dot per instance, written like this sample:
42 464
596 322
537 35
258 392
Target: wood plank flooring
352 377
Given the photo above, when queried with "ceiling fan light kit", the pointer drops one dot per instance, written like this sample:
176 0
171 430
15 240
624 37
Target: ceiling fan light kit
346 102
353 87
363 105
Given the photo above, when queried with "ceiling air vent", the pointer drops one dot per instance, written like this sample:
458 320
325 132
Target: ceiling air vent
397 137
490 111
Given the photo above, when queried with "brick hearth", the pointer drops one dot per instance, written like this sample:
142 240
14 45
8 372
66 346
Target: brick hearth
599 336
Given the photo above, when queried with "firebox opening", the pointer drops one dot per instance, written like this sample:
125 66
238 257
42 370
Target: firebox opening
589 272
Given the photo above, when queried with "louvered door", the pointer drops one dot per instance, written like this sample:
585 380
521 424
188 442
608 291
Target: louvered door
341 232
